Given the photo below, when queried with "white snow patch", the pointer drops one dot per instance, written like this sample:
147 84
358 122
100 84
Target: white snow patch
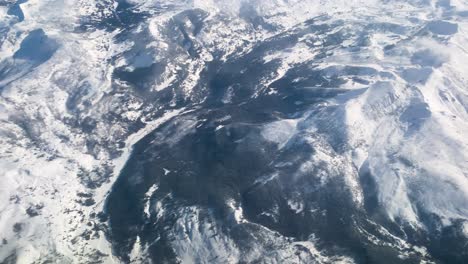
280 132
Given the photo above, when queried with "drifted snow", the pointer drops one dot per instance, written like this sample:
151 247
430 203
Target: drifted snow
408 125
280 132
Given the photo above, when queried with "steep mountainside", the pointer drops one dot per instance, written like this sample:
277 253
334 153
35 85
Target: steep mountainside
246 131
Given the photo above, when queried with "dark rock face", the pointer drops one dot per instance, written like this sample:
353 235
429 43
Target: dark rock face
16 10
36 47
260 138
246 191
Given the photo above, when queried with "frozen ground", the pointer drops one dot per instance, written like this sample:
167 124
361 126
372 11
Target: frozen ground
353 113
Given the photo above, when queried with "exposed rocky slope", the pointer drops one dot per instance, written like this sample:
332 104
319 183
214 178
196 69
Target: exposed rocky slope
233 132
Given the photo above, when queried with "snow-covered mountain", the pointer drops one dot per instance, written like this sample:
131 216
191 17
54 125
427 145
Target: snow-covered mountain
244 131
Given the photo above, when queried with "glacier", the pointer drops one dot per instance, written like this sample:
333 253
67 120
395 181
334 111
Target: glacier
244 131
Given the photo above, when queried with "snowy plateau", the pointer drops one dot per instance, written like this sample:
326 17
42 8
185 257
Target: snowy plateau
233 131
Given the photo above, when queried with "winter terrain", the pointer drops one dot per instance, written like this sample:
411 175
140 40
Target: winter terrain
241 131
